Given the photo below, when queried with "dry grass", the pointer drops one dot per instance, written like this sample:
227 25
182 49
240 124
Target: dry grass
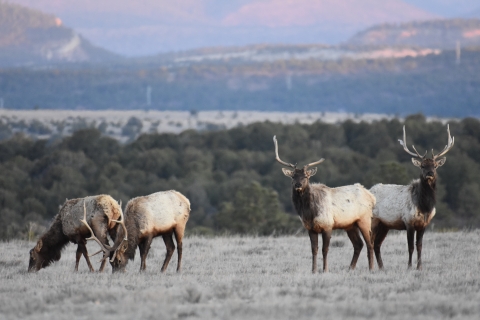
254 278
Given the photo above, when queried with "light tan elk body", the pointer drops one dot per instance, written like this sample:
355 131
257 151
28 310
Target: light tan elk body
103 214
409 207
159 214
322 209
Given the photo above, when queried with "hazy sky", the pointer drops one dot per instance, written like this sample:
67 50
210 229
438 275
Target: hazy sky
146 27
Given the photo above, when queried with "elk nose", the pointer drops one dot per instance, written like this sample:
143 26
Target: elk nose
298 185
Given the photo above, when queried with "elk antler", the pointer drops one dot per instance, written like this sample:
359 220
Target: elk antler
404 144
125 238
278 158
105 248
447 148
314 163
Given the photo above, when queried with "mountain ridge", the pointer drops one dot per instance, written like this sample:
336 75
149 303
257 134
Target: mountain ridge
188 24
30 37
439 33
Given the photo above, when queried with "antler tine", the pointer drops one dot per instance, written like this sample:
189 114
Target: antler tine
106 249
277 157
404 144
450 143
426 151
314 163
125 238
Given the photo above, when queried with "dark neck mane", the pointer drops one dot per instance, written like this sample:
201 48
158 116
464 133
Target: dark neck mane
54 240
133 237
305 203
423 195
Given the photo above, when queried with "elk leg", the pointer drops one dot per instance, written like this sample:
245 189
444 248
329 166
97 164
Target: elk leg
419 248
365 227
314 242
379 232
354 235
168 239
326 235
179 237
82 246
144 247
78 255
410 240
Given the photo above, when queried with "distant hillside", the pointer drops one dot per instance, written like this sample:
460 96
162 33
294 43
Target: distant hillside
272 53
442 34
154 26
29 36
433 84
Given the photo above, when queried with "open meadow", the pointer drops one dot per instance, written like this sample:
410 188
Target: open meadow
251 278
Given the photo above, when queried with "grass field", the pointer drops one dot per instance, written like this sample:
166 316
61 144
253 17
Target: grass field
251 278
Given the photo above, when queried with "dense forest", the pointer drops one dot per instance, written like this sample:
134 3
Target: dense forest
231 176
434 85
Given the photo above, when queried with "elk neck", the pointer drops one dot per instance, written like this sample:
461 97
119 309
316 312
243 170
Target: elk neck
54 240
133 230
304 202
423 194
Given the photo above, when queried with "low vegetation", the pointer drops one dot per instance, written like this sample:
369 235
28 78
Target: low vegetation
251 277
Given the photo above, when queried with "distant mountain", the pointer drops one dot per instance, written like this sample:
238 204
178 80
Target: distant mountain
441 34
153 26
29 37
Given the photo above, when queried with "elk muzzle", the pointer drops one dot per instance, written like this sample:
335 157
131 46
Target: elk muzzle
298 187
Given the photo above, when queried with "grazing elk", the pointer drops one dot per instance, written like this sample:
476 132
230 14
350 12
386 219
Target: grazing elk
409 207
68 226
162 213
323 209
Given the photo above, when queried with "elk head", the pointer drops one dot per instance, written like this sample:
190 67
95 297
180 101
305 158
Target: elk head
428 165
119 259
300 177
36 259
119 263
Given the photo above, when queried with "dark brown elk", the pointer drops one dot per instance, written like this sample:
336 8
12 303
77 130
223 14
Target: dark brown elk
159 214
409 207
322 209
68 226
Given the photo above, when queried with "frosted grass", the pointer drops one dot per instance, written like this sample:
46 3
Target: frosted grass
251 278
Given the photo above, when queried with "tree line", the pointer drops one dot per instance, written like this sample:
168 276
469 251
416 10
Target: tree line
231 176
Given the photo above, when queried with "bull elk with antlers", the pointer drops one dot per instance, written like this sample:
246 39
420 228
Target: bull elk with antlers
322 209
72 224
159 214
409 207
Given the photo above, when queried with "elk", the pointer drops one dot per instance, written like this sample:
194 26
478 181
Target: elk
159 214
409 207
322 209
68 226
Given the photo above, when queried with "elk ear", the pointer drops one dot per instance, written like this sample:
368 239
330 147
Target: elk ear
288 173
441 162
39 245
416 163
311 172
